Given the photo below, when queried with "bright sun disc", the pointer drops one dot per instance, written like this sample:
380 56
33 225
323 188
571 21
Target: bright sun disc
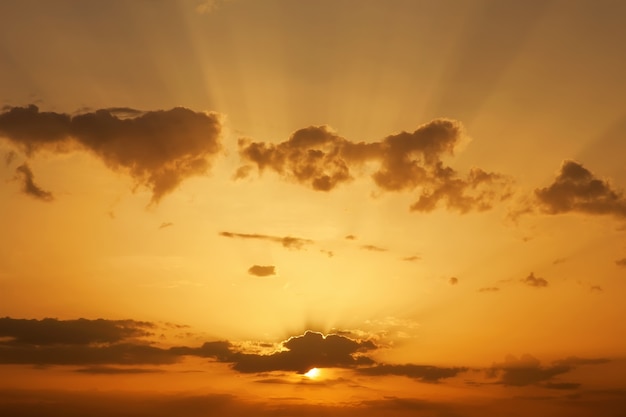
313 373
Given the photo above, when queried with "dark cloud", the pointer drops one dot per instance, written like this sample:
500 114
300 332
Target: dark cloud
621 262
423 373
287 241
595 288
158 149
318 158
25 175
534 281
373 248
165 224
453 280
311 350
576 189
328 253
262 271
71 332
350 237
528 371
111 370
489 289
412 258
114 354
525 371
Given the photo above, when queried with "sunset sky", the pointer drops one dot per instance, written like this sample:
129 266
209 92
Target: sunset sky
203 200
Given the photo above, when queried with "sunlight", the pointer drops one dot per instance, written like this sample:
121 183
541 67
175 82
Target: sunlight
313 373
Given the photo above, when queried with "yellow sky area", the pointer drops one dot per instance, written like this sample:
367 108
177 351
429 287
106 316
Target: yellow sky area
434 190
98 252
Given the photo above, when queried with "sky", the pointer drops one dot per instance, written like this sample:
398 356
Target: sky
285 207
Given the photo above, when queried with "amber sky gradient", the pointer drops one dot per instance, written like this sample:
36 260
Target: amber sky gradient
203 200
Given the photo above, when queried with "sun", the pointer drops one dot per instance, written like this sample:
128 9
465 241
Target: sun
313 373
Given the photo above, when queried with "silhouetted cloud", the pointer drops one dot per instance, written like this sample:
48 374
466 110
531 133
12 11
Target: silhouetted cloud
595 288
534 281
111 370
350 237
287 241
319 158
489 289
423 373
165 224
70 332
158 149
453 280
311 350
25 175
525 371
262 271
576 189
412 258
621 262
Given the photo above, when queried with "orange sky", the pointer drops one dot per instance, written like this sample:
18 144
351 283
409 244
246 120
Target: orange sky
202 200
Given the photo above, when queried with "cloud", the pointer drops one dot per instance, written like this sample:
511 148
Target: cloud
165 224
158 149
373 248
71 332
111 370
320 159
534 281
489 289
262 271
9 157
287 241
453 281
350 237
528 371
621 262
576 189
412 258
301 353
525 371
576 361
423 373
29 187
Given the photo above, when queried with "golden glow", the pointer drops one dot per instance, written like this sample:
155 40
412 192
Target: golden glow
314 373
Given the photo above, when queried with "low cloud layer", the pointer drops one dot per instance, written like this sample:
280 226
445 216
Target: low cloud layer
320 159
528 370
288 242
423 373
158 149
576 189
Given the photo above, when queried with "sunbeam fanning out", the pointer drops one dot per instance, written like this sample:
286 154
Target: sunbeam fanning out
299 208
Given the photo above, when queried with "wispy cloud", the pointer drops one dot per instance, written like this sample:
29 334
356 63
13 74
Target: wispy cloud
25 175
287 241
